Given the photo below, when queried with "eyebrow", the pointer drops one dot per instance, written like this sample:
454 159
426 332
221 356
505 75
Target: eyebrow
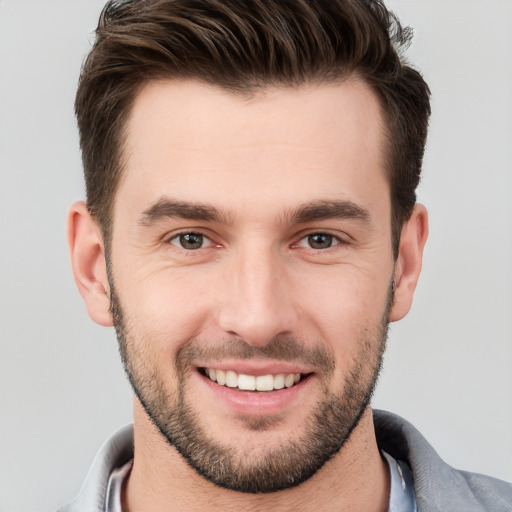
169 208
326 210
166 208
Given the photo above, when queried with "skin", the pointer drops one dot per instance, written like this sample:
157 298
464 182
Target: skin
256 161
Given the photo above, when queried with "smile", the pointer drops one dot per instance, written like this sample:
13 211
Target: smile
243 382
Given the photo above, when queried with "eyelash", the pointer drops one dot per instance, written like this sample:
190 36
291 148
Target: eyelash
178 236
335 240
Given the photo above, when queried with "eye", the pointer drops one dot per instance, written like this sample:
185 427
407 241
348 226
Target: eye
319 241
190 241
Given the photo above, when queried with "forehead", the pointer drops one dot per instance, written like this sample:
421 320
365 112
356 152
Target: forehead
197 139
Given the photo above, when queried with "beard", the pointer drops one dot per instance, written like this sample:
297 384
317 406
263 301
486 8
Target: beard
261 468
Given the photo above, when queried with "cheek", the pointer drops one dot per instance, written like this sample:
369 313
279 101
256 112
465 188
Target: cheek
166 306
347 315
344 297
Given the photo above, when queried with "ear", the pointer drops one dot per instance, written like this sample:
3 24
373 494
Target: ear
88 262
408 264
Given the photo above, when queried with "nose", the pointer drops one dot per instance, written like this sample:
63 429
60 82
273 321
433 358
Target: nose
258 300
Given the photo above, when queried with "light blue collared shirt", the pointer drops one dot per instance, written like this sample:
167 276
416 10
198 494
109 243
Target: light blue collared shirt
402 497
438 486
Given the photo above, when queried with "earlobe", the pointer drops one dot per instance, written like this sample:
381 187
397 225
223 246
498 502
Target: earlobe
87 252
409 261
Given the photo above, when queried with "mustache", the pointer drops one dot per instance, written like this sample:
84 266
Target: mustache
286 349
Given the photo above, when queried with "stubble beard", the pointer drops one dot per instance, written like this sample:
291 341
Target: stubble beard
242 468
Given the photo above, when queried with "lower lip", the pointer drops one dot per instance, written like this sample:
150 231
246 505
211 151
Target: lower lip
256 403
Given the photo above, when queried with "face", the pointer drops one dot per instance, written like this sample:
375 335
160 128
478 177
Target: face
250 272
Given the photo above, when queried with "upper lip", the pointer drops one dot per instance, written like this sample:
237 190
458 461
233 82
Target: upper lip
257 368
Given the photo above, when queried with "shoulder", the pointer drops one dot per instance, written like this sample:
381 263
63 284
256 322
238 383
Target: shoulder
114 453
438 486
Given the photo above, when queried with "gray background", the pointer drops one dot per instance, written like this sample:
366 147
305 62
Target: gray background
449 364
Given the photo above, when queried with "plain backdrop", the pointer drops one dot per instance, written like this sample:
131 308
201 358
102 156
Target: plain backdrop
449 364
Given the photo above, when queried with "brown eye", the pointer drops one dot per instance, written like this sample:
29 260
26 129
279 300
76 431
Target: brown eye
320 241
190 241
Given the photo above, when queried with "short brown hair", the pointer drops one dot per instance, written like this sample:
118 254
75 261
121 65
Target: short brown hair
242 46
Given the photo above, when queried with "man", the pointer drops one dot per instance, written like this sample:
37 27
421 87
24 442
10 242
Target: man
251 228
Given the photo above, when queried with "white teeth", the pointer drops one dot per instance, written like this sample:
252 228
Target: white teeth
231 379
264 382
279 381
221 377
244 382
288 380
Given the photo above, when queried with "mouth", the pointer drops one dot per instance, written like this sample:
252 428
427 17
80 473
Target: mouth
245 382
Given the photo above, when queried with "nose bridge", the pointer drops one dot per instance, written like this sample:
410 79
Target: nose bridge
258 305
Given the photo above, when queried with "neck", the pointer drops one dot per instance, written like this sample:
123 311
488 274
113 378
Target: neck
356 479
